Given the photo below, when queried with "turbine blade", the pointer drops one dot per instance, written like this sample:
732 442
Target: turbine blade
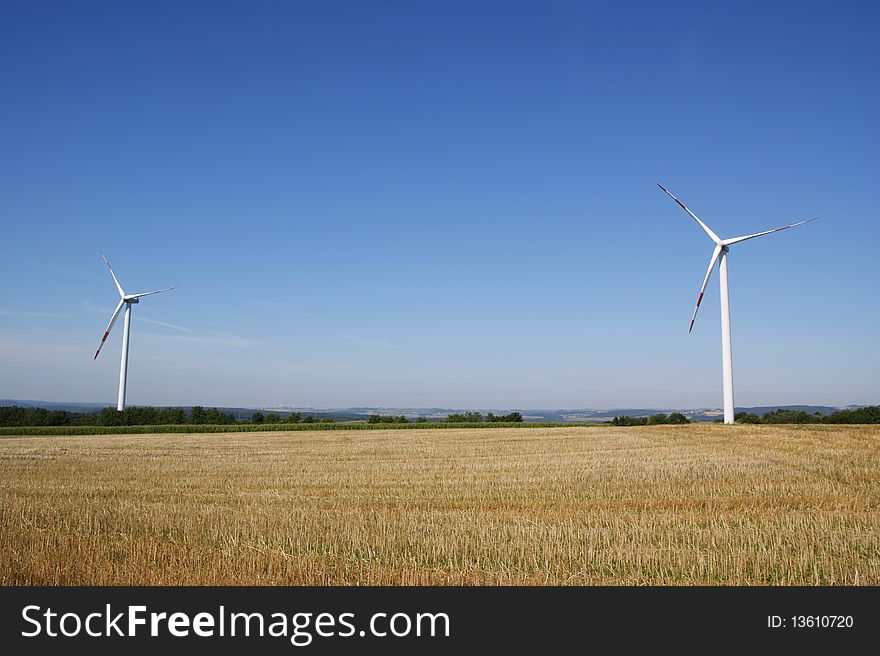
118 286
109 327
736 240
158 291
714 259
711 234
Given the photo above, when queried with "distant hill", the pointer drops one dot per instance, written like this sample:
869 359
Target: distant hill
810 409
70 406
631 412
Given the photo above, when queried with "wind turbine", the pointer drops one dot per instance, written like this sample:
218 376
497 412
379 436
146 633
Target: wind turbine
126 300
720 254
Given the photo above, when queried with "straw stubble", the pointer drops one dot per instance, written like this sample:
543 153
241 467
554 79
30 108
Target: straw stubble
698 504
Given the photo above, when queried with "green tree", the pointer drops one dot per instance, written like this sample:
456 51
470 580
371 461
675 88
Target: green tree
257 418
171 416
273 418
629 421
110 417
17 416
198 415
468 417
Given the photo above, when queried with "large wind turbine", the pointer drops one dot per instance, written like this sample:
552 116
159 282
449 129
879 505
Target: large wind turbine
126 300
720 254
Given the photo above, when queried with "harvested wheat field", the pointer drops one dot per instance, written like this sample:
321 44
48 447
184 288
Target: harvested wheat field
698 504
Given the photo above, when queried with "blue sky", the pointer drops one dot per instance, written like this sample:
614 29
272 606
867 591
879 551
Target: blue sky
438 203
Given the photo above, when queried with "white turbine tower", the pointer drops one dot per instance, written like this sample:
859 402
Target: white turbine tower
127 300
720 254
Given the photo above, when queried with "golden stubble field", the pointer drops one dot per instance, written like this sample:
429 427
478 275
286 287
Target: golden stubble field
698 504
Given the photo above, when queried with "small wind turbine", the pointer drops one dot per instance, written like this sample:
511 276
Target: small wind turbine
720 254
127 300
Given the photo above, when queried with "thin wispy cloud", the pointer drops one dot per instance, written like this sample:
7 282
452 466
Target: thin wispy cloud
364 340
91 307
29 313
208 340
284 306
168 325
108 311
234 340
273 305
40 351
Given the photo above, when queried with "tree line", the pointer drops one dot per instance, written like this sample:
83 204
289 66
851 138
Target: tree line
390 419
476 417
131 416
16 416
292 418
149 416
463 417
659 418
867 415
